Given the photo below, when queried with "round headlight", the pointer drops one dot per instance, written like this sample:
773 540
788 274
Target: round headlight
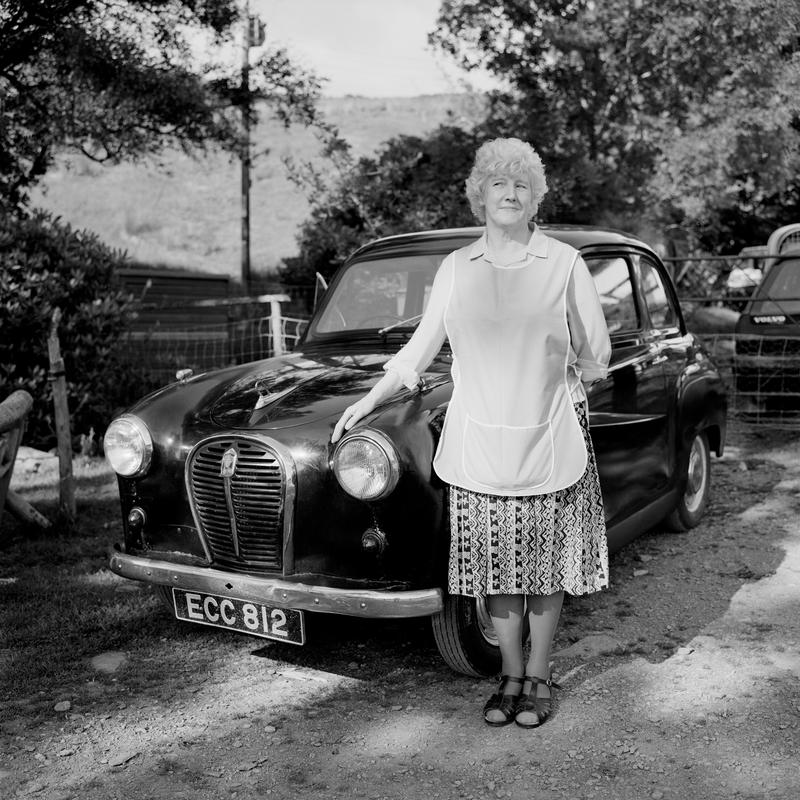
366 465
128 446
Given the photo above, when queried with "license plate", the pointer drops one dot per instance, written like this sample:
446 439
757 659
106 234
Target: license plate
282 624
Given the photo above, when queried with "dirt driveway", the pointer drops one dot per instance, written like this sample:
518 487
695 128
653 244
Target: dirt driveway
681 681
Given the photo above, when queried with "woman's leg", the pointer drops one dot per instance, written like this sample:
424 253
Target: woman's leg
535 706
543 615
507 613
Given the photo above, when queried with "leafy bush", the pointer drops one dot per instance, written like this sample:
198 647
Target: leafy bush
44 265
412 183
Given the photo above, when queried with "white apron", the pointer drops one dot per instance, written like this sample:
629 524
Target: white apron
511 427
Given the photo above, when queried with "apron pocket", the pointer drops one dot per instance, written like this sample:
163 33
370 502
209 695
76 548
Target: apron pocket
502 457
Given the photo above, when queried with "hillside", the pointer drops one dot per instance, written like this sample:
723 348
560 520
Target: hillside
186 212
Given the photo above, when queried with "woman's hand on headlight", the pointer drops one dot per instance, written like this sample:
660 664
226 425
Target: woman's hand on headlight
381 391
353 414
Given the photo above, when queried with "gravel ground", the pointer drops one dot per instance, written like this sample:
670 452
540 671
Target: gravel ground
681 681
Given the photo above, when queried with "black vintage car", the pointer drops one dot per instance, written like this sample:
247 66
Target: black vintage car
236 505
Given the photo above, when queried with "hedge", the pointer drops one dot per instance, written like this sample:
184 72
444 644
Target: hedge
46 264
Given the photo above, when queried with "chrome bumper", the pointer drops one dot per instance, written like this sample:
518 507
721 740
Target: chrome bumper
277 592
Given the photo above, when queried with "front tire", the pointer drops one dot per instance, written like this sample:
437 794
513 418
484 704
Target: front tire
696 487
465 637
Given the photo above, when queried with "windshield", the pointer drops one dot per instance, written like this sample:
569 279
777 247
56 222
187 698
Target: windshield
377 294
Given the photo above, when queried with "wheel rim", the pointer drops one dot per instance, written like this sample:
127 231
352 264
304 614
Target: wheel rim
485 621
696 476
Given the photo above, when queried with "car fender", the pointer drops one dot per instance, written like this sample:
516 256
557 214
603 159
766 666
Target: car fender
701 402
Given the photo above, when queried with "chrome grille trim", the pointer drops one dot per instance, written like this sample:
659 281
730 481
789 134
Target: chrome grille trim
262 494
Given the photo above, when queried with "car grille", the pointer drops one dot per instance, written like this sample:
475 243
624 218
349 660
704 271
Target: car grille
242 527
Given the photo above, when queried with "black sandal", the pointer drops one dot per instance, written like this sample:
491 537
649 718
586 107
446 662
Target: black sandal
506 704
542 707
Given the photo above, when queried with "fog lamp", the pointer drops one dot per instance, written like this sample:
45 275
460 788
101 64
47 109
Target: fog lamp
373 541
136 520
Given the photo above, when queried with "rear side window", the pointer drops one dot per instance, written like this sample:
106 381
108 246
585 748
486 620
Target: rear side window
659 303
612 278
783 280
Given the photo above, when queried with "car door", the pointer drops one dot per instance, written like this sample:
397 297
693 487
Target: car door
669 343
629 408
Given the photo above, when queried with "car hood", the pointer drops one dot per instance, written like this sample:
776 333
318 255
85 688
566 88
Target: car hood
296 390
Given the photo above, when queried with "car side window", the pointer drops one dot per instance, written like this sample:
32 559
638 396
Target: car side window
659 303
612 278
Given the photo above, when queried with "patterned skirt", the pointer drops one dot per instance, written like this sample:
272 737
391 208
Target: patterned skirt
537 544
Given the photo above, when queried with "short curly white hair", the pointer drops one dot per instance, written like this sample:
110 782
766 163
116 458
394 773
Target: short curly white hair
505 157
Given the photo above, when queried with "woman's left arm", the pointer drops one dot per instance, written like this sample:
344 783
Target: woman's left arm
587 324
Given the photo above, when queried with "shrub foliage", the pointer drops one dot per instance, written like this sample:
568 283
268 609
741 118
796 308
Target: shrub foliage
44 265
412 183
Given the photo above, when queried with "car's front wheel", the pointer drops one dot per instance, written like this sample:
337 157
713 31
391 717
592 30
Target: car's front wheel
696 483
465 637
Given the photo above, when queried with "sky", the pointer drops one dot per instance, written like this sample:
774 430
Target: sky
375 48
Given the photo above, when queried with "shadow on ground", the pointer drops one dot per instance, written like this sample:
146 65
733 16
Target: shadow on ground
665 589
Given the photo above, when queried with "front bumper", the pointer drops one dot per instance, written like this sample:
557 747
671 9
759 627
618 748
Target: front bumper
281 593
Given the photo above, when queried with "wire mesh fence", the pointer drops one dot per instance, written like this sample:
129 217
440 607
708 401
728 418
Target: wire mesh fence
726 281
762 372
165 349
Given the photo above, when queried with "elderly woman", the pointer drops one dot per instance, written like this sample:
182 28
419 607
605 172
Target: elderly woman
526 331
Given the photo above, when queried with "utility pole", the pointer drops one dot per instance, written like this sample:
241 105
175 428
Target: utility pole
245 150
253 37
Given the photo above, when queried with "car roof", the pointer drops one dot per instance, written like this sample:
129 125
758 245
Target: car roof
578 236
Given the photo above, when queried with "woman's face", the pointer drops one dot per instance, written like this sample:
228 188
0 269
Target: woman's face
508 201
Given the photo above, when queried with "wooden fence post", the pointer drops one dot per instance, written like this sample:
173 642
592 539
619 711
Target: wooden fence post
276 327
66 485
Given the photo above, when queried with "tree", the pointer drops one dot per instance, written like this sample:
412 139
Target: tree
731 170
117 79
113 80
412 183
45 265
626 99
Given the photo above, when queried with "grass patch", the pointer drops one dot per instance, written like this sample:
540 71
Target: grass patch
60 605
